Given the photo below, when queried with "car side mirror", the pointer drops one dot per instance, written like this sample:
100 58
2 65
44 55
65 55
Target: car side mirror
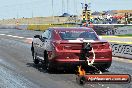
45 38
37 36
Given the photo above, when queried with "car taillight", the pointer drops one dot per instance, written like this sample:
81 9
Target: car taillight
100 46
105 46
67 47
57 45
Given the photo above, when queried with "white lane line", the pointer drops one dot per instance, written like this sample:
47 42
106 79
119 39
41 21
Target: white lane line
122 60
20 37
2 34
9 35
15 36
27 40
92 85
99 84
30 38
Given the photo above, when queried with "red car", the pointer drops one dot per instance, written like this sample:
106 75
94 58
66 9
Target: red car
60 48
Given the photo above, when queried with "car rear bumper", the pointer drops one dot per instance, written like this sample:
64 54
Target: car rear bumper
71 64
72 60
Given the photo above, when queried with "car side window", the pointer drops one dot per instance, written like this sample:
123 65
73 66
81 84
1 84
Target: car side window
47 34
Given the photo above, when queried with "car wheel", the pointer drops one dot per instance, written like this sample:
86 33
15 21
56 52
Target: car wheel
105 67
35 60
47 63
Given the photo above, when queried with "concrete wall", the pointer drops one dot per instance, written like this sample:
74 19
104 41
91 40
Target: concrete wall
113 29
123 30
7 26
35 26
22 27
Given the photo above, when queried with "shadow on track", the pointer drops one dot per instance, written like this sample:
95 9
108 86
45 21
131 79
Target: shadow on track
40 67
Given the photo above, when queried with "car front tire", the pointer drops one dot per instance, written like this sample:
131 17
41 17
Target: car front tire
35 60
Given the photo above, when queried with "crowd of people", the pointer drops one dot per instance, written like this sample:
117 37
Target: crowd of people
104 21
109 19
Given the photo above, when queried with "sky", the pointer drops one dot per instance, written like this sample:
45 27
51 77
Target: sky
43 8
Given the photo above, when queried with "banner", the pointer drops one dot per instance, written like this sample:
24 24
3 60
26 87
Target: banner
121 50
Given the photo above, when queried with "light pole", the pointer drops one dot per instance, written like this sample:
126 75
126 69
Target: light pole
32 14
67 5
53 11
74 6
75 11
17 14
62 6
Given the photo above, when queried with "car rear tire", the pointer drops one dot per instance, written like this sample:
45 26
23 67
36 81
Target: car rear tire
47 63
105 67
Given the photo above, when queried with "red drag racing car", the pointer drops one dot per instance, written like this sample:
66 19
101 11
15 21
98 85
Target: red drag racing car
60 48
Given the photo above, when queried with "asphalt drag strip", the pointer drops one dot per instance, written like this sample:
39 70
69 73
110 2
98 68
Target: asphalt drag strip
18 71
9 79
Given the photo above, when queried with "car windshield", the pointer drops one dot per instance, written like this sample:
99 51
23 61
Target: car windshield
73 35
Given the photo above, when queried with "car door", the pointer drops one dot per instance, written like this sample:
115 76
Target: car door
44 42
36 45
48 41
